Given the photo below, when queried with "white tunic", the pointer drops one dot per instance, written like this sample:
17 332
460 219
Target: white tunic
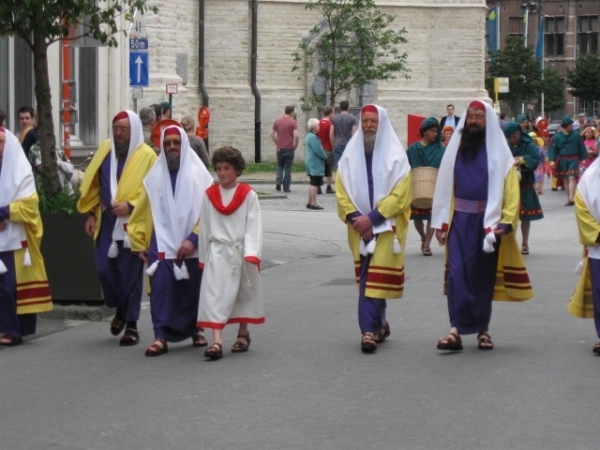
231 290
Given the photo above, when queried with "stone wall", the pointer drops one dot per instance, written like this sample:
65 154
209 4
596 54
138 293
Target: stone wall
446 54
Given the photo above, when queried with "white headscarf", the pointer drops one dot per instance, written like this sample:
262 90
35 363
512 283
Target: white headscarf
500 161
390 165
136 139
176 214
16 183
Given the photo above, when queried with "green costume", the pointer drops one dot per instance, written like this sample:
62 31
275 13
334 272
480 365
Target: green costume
429 155
567 150
529 154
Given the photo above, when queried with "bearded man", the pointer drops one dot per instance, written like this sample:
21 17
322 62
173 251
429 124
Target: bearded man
374 194
475 213
24 290
109 193
164 229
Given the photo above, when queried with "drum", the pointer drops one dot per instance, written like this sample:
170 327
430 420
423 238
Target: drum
423 186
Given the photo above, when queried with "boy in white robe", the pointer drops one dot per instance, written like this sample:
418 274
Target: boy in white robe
229 251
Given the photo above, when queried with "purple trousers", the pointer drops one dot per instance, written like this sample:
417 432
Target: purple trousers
371 311
10 323
121 277
595 275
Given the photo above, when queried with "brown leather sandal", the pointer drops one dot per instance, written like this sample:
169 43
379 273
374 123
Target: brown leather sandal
452 343
596 348
368 343
9 340
382 334
484 342
159 347
199 340
116 326
214 352
240 347
131 337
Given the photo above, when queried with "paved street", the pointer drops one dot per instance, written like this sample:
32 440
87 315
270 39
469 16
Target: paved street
304 384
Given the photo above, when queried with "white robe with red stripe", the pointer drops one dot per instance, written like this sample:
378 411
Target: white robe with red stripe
229 250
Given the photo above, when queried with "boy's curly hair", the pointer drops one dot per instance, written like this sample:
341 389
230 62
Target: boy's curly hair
231 156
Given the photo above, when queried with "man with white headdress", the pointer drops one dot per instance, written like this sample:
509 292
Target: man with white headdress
475 213
109 193
164 229
24 289
585 302
374 193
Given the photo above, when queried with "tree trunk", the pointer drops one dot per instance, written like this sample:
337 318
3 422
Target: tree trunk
43 97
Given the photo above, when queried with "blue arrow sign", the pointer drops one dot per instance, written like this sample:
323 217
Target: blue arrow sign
138 69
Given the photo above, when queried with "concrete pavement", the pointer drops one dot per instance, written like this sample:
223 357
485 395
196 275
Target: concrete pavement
304 384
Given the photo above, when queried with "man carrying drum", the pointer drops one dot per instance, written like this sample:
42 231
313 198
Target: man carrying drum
428 154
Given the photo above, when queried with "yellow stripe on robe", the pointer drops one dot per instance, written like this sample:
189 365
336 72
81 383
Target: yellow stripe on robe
581 303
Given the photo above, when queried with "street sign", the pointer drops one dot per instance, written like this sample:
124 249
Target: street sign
503 86
138 44
138 69
172 88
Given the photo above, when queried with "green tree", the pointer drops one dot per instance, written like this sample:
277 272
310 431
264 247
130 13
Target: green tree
553 87
357 44
517 63
43 22
584 78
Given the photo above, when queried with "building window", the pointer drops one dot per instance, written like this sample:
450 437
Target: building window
587 34
555 37
515 25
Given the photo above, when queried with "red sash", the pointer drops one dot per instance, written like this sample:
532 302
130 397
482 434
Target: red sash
214 195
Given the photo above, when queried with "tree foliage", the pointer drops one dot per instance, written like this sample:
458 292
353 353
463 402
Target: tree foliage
553 87
584 78
42 22
517 63
356 44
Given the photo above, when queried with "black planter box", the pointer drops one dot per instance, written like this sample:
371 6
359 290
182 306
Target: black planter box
69 258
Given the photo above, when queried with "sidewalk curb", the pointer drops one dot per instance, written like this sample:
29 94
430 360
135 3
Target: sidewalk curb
80 312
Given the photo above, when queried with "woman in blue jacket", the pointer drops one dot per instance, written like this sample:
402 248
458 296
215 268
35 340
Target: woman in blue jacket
315 162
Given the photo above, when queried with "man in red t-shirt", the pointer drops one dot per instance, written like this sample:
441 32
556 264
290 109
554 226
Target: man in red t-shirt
285 135
323 134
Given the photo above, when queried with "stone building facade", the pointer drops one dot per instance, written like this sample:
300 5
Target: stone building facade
446 56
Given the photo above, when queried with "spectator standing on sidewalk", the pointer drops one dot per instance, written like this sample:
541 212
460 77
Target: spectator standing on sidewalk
285 135
189 125
343 126
29 132
315 161
323 134
148 118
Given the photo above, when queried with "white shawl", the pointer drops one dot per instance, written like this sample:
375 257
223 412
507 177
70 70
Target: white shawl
500 161
135 141
589 189
390 165
176 214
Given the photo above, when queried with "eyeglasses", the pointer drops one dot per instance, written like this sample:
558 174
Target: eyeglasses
121 129
476 118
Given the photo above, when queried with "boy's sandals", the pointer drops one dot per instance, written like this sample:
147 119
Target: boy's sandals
453 343
214 352
382 334
484 342
426 251
368 343
159 347
524 250
240 346
10 341
596 349
131 337
116 326
199 340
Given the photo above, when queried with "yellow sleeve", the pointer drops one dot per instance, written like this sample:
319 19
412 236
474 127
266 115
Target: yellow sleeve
399 199
589 229
511 200
140 225
90 185
196 229
345 206
26 211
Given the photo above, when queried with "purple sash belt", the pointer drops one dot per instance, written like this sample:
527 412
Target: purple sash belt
469 206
